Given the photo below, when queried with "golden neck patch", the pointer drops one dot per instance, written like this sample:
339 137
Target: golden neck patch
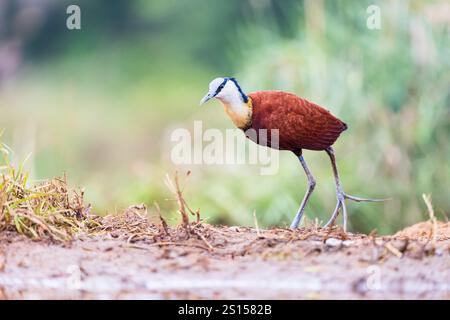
241 114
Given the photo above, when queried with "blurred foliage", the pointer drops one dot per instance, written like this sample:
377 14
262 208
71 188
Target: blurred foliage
100 102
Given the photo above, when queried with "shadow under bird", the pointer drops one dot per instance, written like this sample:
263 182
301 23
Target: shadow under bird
299 124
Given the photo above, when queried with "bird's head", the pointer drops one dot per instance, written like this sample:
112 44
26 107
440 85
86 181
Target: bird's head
226 90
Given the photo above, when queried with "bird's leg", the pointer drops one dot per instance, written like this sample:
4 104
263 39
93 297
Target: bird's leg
341 196
311 185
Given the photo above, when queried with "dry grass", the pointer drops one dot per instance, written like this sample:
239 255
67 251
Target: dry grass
48 210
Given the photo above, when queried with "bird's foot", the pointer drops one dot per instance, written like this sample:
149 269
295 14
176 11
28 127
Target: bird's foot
341 196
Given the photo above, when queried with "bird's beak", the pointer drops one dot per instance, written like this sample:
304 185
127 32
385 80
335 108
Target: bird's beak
205 98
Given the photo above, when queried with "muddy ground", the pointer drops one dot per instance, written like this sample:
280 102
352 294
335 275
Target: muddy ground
205 262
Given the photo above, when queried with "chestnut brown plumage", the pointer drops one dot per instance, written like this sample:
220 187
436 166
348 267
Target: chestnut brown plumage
299 124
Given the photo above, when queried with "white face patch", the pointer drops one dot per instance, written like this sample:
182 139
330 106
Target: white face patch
228 91
215 86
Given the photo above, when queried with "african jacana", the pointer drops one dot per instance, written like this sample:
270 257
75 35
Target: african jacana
301 124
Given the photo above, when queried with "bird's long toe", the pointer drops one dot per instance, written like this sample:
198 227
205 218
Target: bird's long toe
334 215
360 199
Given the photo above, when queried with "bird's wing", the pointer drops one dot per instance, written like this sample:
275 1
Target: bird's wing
301 123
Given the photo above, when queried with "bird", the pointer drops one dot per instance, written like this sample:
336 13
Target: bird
300 125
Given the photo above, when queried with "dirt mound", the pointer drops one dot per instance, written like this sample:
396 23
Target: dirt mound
424 230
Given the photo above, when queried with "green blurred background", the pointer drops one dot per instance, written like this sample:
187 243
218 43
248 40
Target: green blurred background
100 103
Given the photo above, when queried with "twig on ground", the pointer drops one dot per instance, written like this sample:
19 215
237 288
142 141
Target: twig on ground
393 250
258 232
163 222
204 239
168 243
174 187
433 220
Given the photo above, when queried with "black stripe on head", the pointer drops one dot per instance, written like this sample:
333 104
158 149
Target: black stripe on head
243 95
219 88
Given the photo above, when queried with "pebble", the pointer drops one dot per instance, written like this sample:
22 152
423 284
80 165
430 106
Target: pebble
348 243
333 242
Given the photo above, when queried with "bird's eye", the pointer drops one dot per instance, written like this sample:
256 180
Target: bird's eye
219 88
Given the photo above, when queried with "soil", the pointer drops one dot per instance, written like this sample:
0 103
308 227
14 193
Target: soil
201 261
